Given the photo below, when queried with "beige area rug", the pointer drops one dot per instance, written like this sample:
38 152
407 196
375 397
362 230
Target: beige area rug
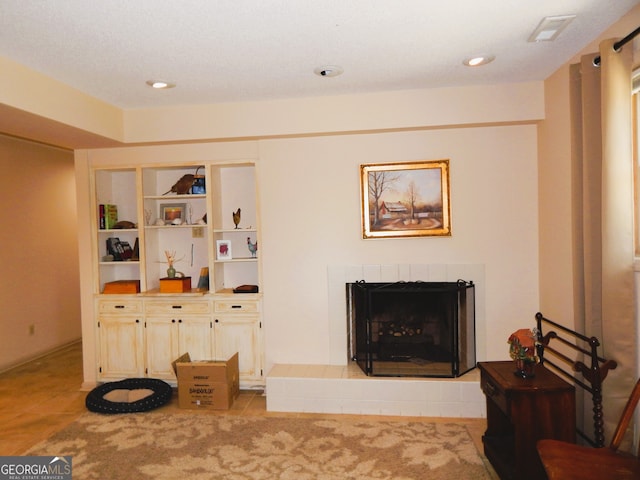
163 446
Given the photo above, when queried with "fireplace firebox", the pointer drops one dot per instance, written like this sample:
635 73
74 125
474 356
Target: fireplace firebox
417 329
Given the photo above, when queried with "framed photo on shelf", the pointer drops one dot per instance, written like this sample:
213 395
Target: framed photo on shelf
223 250
170 212
405 199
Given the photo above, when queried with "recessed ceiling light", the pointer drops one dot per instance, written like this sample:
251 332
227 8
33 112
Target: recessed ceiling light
550 27
160 84
329 71
479 60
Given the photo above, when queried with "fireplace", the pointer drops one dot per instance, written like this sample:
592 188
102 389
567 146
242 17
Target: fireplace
416 329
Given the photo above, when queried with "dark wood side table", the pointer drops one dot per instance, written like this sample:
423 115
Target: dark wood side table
519 413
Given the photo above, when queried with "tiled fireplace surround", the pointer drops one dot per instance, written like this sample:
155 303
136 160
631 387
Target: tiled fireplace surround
341 387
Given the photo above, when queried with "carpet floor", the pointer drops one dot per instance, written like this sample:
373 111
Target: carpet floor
162 446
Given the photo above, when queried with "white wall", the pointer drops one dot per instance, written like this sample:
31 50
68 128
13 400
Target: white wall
309 199
310 207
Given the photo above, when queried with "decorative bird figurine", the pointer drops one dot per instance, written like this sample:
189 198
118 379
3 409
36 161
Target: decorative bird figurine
253 247
236 218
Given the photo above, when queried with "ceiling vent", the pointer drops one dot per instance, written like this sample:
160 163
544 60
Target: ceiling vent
550 27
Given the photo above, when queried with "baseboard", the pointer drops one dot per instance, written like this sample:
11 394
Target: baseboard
40 355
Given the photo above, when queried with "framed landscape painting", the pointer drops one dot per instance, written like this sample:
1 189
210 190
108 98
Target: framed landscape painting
172 212
405 199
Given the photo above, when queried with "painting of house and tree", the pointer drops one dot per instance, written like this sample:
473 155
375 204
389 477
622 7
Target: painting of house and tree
405 199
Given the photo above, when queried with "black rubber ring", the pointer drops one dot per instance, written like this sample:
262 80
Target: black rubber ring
162 393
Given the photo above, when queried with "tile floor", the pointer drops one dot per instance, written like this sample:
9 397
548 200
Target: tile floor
43 396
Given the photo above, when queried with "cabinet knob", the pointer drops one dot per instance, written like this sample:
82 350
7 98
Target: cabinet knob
217 320
173 320
180 321
137 320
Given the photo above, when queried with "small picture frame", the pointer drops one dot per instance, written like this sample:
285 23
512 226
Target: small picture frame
198 187
223 250
170 213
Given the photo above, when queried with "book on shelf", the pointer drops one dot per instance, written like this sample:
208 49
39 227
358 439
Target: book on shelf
136 250
108 216
101 216
126 250
203 281
114 247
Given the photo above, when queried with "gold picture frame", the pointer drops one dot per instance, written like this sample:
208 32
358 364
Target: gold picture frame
409 199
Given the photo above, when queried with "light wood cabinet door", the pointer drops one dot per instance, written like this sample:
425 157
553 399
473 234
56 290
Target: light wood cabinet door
161 337
121 347
195 337
167 338
240 333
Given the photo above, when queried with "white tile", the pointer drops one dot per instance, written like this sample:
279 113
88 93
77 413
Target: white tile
332 405
451 392
354 273
345 389
351 405
437 273
414 390
471 391
383 390
276 386
349 389
411 409
369 407
404 272
371 273
437 392
389 273
432 409
387 408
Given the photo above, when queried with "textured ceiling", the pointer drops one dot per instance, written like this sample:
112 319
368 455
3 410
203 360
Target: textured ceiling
248 50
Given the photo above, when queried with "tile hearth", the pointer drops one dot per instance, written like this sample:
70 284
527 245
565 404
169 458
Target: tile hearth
346 389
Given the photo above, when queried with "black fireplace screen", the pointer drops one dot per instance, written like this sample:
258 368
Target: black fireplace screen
419 329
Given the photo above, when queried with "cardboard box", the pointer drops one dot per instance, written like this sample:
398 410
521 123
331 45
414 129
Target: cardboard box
122 286
207 384
175 285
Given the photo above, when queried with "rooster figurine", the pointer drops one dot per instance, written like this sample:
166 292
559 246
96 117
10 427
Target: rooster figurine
236 218
253 247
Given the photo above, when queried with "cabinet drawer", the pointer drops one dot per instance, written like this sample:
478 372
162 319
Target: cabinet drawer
179 306
495 394
236 306
119 306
